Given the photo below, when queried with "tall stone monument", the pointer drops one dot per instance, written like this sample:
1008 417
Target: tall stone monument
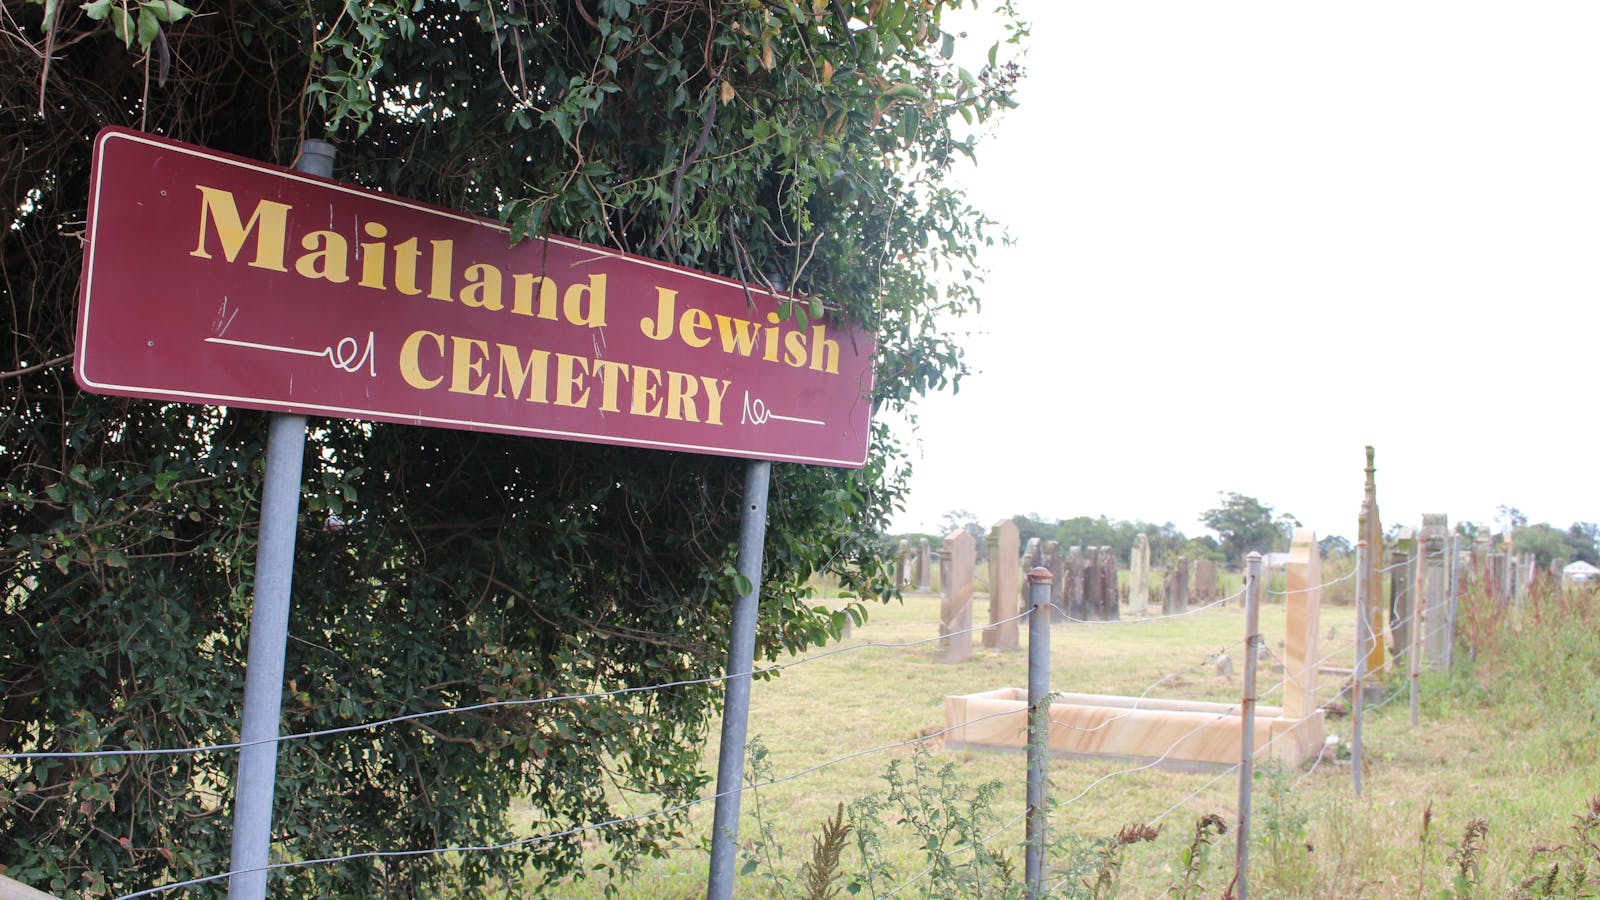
1403 606
1370 529
1084 592
1204 588
957 559
1004 586
1139 576
924 567
1111 599
1056 562
1303 609
1438 607
1176 598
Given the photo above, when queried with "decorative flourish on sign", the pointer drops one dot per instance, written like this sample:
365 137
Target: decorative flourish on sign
757 413
347 355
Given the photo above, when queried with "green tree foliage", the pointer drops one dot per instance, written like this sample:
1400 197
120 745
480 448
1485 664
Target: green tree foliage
1244 523
1098 531
805 142
1548 543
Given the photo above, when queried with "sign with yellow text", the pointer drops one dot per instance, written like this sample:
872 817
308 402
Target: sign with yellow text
214 279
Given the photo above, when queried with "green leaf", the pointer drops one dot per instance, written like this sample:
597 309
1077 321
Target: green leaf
97 9
122 25
149 27
168 11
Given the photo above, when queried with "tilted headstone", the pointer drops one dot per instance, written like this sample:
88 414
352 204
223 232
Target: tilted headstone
1056 562
1402 592
1005 577
1176 599
1302 610
924 566
1139 575
902 565
1434 599
1204 588
957 559
1111 599
1032 558
1079 584
1370 529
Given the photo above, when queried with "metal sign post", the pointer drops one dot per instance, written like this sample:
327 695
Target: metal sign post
736 703
1039 581
1247 715
287 292
269 629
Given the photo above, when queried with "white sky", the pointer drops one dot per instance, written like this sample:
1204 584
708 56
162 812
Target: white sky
1254 237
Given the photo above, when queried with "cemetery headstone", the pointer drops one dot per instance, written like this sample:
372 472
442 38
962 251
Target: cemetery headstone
1004 585
1402 592
1056 562
1111 599
957 559
1435 601
1204 588
1302 611
924 567
1370 529
1139 576
1081 583
1176 599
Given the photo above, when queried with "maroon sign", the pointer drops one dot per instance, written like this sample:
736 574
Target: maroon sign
214 279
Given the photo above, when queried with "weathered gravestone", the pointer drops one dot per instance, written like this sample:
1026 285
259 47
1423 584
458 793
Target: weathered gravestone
1079 585
1110 598
1302 611
1139 576
1204 588
924 567
1032 558
1004 583
1056 562
957 559
903 564
1370 529
1438 607
1176 598
1402 592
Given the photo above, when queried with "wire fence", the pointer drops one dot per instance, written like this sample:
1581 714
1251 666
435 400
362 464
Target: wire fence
1203 660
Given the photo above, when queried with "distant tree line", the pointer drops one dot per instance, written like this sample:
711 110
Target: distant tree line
1242 523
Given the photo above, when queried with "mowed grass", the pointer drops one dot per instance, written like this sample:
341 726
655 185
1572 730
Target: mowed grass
833 721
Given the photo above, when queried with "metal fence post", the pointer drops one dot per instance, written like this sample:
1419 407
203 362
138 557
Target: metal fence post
736 702
1247 715
269 628
1358 679
1039 581
1419 620
1451 577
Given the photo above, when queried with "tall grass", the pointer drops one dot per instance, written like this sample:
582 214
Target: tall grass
1492 795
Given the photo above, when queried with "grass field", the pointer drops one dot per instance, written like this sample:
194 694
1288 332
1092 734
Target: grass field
1512 742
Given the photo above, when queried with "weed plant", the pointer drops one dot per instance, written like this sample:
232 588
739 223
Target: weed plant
1501 775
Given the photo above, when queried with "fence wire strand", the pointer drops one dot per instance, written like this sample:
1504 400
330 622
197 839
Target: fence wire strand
1232 710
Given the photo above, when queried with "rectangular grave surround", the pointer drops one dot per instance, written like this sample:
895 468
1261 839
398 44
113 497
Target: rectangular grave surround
1181 734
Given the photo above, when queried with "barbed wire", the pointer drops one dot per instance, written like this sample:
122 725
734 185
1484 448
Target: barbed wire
579 829
983 840
1146 620
496 704
1230 710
